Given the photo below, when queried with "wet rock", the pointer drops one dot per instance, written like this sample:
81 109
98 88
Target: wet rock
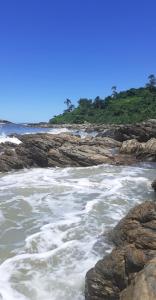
143 286
62 150
67 150
142 151
154 185
139 131
115 276
131 146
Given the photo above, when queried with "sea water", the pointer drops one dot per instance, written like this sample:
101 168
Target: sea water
55 222
16 129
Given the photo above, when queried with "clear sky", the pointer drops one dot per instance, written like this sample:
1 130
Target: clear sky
51 50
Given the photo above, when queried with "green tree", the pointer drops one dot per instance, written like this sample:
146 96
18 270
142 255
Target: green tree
99 103
152 81
70 106
114 91
67 102
85 103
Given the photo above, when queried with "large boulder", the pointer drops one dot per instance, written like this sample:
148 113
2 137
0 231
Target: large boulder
150 146
154 184
131 146
113 277
142 151
139 131
143 285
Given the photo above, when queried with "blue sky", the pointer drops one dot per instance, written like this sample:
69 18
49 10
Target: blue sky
51 50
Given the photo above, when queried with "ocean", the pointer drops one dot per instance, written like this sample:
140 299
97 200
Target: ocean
55 222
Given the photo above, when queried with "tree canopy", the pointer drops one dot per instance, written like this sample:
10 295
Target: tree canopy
133 105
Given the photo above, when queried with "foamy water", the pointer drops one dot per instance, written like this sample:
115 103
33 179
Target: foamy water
4 138
10 129
52 224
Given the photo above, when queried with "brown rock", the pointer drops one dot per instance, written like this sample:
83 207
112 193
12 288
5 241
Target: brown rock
115 275
143 286
62 150
154 185
131 146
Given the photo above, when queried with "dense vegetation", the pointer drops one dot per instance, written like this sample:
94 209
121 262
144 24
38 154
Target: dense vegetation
133 105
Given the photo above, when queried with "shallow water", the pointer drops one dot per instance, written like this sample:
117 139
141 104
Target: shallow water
52 222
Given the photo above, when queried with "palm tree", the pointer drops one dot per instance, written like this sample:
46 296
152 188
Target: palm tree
152 81
114 91
67 102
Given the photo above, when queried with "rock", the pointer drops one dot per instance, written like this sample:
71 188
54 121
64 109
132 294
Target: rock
154 185
5 122
114 277
142 132
143 286
142 151
150 146
62 150
131 146
67 150
134 227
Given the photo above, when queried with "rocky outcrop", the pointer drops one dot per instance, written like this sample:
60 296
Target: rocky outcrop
128 273
67 150
62 150
5 122
143 151
154 184
143 285
142 132
131 146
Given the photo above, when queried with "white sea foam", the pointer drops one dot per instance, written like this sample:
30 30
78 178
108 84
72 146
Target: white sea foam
58 130
57 217
4 139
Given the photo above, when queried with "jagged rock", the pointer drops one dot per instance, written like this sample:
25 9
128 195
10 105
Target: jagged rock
139 131
67 150
150 146
143 285
142 151
154 185
114 276
134 228
131 146
62 150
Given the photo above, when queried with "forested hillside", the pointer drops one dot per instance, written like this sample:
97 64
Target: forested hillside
133 105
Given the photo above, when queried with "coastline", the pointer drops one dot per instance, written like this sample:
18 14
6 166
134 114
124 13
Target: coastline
129 147
128 272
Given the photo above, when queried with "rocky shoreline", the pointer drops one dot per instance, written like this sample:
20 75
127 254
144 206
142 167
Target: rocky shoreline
62 150
141 131
120 145
129 271
67 150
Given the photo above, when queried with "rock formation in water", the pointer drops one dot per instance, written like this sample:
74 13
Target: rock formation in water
67 150
62 150
143 131
129 271
5 122
144 151
154 184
